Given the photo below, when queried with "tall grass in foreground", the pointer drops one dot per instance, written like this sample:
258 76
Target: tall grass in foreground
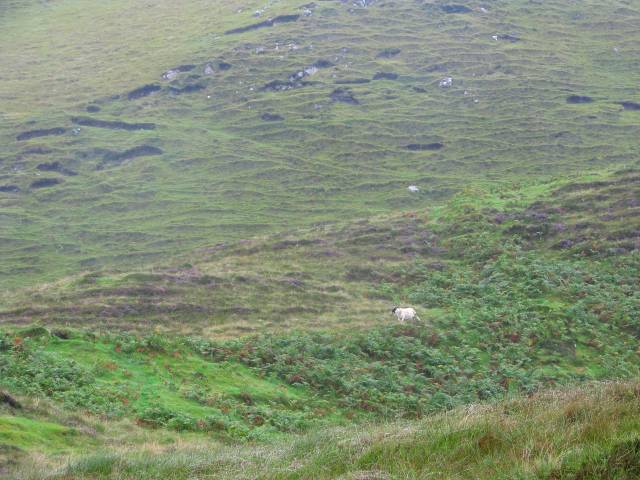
588 433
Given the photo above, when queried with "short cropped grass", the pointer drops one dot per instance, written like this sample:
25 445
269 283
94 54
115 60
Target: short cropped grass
228 174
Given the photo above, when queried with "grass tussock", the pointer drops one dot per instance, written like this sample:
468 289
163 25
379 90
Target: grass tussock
592 432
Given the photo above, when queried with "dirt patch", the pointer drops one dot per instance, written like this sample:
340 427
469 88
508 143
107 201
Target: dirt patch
579 99
115 158
271 117
344 95
45 182
385 76
630 105
186 89
115 125
144 91
40 133
455 9
9 189
267 23
283 85
9 400
322 63
388 53
37 151
353 81
55 167
418 147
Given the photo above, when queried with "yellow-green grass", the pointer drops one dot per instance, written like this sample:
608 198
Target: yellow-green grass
587 433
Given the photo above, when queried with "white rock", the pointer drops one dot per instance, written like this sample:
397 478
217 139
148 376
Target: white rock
413 189
170 74
446 82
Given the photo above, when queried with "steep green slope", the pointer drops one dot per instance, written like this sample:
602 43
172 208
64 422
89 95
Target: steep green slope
231 153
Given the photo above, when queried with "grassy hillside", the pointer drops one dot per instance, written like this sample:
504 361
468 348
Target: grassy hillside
559 242
519 290
205 221
239 149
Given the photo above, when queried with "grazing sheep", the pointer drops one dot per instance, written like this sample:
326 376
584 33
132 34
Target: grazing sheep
404 314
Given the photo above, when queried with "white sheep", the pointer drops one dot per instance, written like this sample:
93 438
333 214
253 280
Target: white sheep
404 314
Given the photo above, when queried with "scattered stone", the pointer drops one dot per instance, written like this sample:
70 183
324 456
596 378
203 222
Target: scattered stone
93 109
413 188
344 95
40 133
272 117
186 89
9 189
506 37
579 99
170 75
55 167
353 81
119 157
208 69
388 53
446 82
45 182
144 91
630 105
307 72
455 9
417 147
174 72
116 125
310 70
385 76
267 23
